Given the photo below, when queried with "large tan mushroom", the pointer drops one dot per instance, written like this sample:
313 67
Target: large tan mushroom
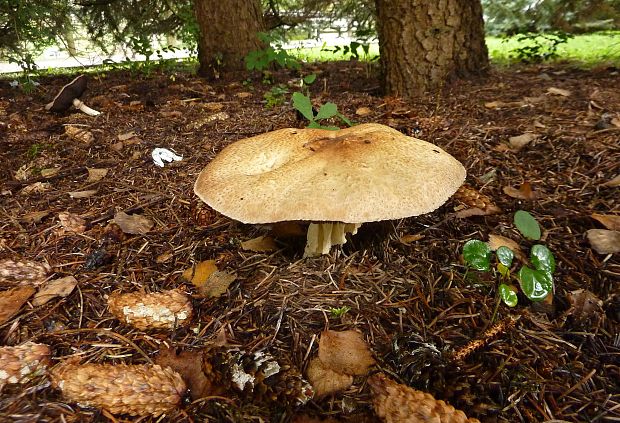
336 180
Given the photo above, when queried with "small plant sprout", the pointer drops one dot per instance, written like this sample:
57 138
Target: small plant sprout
536 284
339 311
328 110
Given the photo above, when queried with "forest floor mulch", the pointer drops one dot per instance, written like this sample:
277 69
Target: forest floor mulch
404 283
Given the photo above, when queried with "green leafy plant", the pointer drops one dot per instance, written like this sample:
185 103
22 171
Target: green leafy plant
303 104
275 96
538 47
261 60
339 311
536 284
351 50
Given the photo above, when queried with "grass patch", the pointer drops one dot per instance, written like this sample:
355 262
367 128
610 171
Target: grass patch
586 49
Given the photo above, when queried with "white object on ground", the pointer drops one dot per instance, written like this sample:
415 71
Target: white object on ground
161 155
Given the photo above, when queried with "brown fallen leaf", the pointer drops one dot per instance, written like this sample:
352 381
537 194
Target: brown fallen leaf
604 241
134 224
36 188
524 192
61 287
499 104
261 244
496 241
217 284
610 221
126 136
95 175
520 141
615 182
11 301
34 217
409 238
164 257
171 114
79 134
72 222
199 273
345 352
558 91
243 94
50 172
83 194
585 305
189 365
363 111
326 381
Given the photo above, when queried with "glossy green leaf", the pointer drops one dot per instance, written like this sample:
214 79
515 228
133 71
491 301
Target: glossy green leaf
477 254
542 258
527 225
327 110
309 79
535 284
505 256
508 296
303 104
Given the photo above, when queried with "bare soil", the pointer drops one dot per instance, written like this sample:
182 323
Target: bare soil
547 361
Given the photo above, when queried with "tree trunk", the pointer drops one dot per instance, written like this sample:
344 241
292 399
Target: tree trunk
227 33
425 44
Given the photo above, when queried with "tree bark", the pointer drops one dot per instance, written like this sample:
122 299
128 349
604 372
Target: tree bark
425 44
227 33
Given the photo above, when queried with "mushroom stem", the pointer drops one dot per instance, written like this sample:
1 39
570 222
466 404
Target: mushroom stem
78 104
321 236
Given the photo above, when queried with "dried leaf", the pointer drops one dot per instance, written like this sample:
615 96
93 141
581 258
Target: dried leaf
199 274
604 241
610 221
189 365
584 305
95 175
79 134
126 136
118 146
72 222
409 238
496 241
520 141
171 114
36 188
11 301
558 91
243 94
83 194
363 111
135 224
217 284
164 257
499 104
345 352
261 244
524 192
326 381
55 288
34 217
615 182
49 172
615 122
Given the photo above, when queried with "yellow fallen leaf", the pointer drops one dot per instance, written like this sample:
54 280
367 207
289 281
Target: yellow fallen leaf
261 244
199 273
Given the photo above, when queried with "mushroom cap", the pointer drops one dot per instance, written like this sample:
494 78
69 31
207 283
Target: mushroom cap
68 93
365 173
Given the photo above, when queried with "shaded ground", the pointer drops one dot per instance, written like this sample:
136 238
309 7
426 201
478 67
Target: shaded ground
553 363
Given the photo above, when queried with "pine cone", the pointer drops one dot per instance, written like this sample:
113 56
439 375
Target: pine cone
19 363
159 310
472 198
23 272
396 403
137 390
202 214
257 374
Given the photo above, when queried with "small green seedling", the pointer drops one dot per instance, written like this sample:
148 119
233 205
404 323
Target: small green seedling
275 96
536 284
328 110
339 311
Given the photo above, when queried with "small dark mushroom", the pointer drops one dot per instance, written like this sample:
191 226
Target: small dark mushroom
70 95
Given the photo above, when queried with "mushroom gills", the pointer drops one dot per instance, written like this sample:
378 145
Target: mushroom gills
321 236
